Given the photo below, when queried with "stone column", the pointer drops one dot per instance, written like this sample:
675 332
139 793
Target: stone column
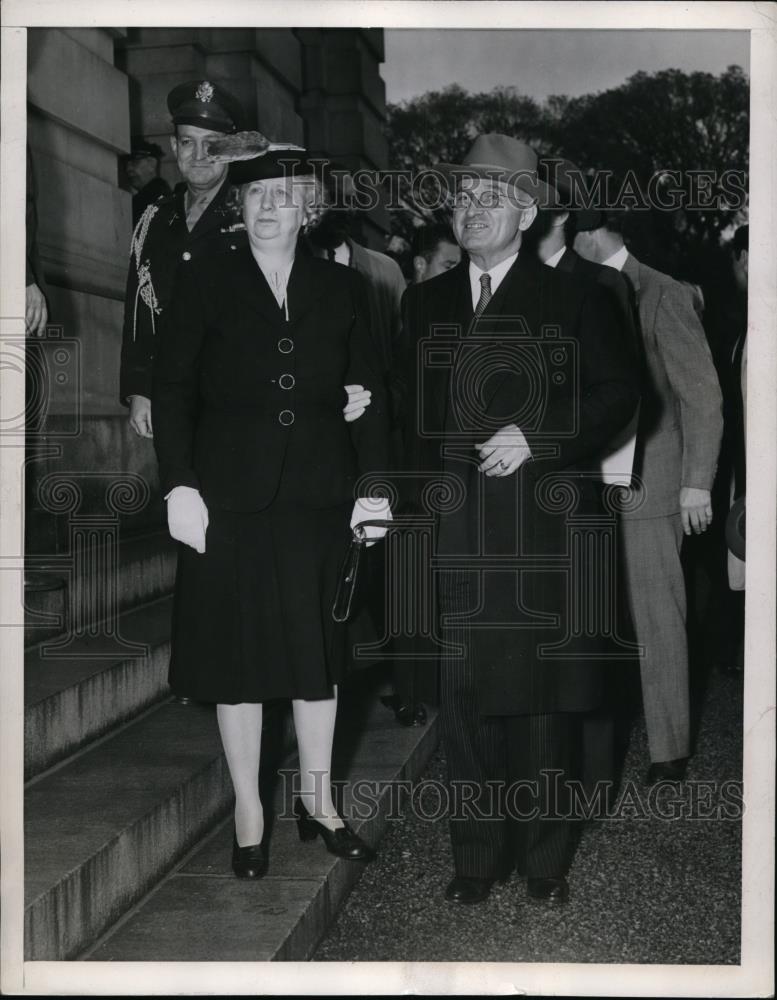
344 104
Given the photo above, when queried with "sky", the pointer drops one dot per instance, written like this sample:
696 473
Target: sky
541 62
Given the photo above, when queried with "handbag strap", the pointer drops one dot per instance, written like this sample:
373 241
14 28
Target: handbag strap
359 533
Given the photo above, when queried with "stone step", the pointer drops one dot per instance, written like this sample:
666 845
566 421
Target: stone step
76 693
201 912
103 827
107 577
86 467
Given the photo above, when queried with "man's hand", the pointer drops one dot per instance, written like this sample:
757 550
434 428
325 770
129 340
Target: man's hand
505 452
187 517
359 399
36 315
695 510
140 416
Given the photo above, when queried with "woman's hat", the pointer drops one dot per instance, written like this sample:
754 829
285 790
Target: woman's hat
252 157
501 158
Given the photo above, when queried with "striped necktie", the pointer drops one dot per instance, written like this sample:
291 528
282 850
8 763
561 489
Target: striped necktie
485 295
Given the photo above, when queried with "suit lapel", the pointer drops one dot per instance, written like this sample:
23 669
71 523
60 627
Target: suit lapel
307 285
214 217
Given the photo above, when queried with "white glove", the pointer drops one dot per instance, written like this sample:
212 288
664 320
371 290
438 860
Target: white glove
187 517
359 399
370 509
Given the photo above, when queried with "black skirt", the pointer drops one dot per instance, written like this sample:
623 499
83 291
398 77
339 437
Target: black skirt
252 616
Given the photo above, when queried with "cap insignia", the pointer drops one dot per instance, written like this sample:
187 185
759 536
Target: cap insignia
204 92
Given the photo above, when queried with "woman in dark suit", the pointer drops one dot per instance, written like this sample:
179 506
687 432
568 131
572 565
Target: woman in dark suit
260 472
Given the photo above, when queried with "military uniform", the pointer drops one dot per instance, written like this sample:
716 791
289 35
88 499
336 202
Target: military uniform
162 241
160 245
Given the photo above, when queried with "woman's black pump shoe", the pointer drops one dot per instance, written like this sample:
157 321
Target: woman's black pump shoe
248 862
343 842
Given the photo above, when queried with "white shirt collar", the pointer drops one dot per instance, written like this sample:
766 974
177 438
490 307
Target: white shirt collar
555 258
497 273
618 259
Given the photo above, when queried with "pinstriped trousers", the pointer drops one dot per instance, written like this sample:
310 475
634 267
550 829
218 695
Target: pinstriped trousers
487 755
657 603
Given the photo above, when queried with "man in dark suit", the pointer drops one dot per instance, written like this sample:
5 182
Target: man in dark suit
521 377
677 444
553 236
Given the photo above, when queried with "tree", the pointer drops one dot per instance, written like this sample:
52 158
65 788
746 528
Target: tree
665 121
439 127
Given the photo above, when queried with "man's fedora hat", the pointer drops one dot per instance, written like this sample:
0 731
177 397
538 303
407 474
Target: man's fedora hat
501 158
568 181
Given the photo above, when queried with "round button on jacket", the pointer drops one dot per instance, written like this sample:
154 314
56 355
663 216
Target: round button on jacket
286 418
287 381
285 345
186 255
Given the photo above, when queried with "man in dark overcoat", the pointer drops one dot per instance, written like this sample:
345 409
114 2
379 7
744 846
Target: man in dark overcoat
518 376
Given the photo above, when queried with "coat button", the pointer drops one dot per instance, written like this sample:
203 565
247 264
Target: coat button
286 381
285 345
186 255
286 418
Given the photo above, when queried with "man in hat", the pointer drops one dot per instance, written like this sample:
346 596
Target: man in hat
522 377
191 222
141 165
677 444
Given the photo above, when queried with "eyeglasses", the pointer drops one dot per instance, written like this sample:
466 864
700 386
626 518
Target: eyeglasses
486 199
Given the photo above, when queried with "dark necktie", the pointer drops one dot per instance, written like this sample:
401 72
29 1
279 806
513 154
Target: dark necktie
485 295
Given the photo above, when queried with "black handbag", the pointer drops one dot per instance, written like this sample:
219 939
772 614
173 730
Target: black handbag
350 579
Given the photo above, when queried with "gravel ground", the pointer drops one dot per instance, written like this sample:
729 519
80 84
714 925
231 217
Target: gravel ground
643 889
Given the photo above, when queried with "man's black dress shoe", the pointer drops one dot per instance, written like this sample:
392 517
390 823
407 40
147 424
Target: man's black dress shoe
551 890
248 862
343 842
466 889
667 770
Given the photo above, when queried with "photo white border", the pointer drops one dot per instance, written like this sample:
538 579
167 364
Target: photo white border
754 977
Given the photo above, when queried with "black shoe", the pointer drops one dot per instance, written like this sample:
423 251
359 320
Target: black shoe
248 862
468 889
550 890
667 770
342 842
405 713
182 699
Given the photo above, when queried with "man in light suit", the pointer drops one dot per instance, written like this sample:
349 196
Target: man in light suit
678 440
483 431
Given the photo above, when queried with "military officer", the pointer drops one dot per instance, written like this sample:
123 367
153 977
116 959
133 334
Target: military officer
176 229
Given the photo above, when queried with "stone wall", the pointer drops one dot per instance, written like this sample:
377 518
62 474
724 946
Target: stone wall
89 89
